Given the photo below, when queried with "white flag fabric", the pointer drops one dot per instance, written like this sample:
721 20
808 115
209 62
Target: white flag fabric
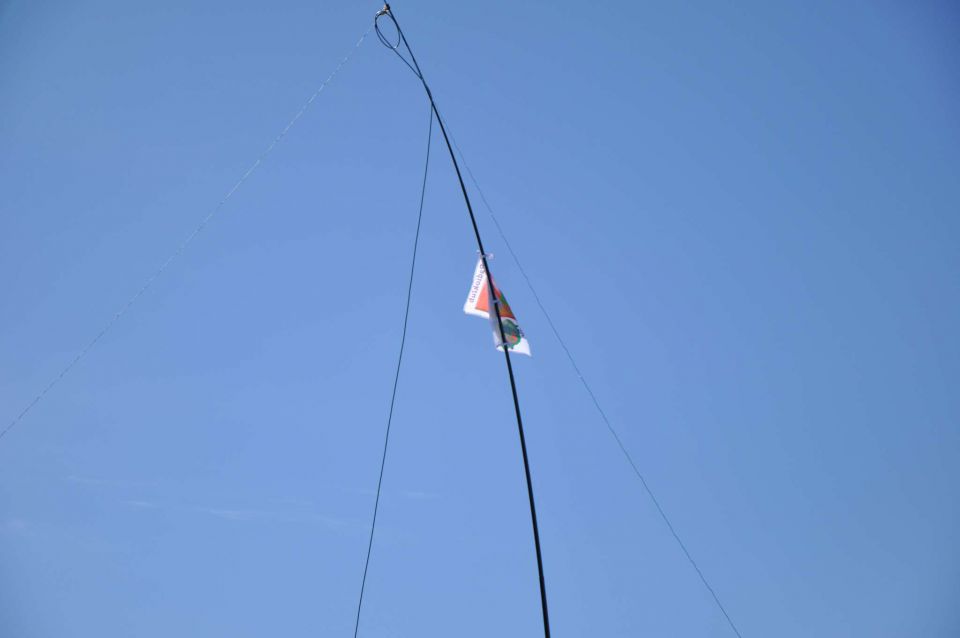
480 302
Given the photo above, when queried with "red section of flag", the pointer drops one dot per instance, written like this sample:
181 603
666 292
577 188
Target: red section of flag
484 305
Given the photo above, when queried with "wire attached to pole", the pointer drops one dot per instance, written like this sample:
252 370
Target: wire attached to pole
184 244
396 378
596 402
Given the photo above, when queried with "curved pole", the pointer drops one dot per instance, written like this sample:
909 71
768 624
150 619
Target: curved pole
415 67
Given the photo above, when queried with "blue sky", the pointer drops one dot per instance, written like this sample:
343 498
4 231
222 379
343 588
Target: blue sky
743 219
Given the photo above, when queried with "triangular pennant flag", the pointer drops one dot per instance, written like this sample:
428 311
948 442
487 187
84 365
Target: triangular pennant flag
480 302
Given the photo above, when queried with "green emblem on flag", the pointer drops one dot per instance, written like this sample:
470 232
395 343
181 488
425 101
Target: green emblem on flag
511 330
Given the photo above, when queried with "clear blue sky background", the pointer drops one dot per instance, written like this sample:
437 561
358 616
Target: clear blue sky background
743 217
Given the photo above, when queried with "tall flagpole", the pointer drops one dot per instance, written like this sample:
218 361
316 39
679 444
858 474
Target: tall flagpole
386 11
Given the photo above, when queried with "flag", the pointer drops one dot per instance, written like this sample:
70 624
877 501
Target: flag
480 303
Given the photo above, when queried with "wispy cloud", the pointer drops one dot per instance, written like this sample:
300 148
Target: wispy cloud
14 525
233 514
276 516
279 510
95 481
365 491
142 504
253 515
417 495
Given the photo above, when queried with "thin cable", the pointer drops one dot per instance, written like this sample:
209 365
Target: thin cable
183 246
593 397
396 377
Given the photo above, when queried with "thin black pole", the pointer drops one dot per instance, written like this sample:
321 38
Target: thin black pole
496 307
